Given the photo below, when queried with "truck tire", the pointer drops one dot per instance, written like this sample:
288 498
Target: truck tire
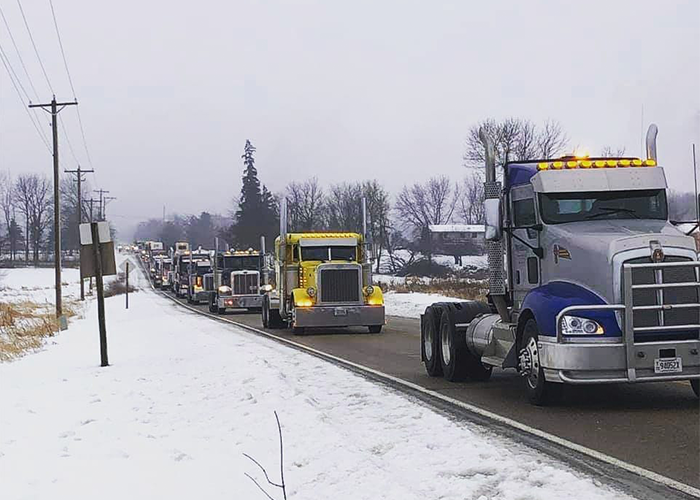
266 312
458 363
695 384
430 340
273 317
539 391
375 328
220 310
212 305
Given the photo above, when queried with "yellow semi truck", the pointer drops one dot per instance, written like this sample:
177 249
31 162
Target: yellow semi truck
322 280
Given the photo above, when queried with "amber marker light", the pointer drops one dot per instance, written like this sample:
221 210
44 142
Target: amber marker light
611 163
625 163
599 163
571 164
649 163
558 165
586 164
542 166
637 163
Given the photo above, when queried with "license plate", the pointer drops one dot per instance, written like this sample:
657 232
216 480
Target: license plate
340 311
668 365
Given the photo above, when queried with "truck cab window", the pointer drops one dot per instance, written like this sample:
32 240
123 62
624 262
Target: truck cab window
524 212
560 208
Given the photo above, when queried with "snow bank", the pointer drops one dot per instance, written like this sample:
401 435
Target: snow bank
37 284
186 396
412 305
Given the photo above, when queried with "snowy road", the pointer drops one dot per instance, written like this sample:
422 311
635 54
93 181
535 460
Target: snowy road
185 397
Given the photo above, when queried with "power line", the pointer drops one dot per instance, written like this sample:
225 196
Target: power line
36 51
19 54
70 80
21 99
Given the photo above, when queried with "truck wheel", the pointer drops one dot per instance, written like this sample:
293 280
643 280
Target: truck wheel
457 362
430 340
695 384
212 305
539 391
276 321
220 310
266 312
375 328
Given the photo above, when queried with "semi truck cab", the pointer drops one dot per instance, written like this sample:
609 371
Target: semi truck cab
589 282
236 281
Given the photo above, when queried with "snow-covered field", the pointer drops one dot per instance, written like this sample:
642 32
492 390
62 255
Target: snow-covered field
185 397
411 305
37 284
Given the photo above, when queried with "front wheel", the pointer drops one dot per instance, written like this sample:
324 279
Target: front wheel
539 391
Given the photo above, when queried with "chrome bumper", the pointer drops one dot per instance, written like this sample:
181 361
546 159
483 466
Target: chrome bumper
201 296
335 316
240 301
596 363
611 360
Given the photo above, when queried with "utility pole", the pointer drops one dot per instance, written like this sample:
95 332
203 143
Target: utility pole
99 207
92 202
56 107
105 200
80 179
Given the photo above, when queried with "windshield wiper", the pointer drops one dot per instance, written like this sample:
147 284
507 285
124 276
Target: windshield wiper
608 211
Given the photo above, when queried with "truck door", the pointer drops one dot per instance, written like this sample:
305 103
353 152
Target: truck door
525 264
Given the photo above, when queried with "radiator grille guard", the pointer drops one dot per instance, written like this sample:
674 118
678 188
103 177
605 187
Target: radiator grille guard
659 304
245 284
339 284
494 249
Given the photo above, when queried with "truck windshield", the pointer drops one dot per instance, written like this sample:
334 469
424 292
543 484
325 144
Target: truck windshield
328 253
239 263
559 208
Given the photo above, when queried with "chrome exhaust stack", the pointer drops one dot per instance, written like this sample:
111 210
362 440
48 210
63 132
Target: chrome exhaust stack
366 261
652 132
495 251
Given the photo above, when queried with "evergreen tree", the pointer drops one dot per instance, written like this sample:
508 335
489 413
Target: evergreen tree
257 213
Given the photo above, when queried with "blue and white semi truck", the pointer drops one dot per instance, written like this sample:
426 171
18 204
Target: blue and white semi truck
589 281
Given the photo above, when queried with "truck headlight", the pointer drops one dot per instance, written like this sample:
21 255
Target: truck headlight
574 325
311 291
369 290
266 288
224 290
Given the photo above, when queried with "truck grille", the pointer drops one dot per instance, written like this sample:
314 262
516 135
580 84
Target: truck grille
339 285
667 296
244 284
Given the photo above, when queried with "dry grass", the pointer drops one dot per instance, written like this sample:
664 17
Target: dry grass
25 325
118 287
449 287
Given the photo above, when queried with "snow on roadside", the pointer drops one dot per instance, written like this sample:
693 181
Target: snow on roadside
411 305
36 284
185 397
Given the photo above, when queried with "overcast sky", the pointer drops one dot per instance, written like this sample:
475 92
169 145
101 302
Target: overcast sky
343 90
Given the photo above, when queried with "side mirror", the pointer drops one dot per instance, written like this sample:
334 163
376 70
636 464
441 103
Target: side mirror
492 211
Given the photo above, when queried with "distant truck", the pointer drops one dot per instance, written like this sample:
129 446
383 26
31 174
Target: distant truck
181 270
322 280
589 282
235 281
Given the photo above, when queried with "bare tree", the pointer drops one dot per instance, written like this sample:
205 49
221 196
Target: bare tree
343 208
6 202
514 139
611 152
33 194
379 220
471 203
305 205
23 199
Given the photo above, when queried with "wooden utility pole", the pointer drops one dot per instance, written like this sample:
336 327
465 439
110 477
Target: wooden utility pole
100 293
79 176
56 107
100 213
106 200
92 202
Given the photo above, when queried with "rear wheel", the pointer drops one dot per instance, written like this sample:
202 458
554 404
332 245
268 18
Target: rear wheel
539 391
266 312
457 361
375 328
212 305
430 340
695 384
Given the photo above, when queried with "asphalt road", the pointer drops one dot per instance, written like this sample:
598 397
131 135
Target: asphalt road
655 426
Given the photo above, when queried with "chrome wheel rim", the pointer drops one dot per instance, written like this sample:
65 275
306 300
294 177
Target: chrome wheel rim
446 342
530 362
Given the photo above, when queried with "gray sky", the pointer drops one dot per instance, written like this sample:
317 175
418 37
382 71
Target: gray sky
170 90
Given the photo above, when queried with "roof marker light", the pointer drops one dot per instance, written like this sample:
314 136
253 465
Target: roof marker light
637 163
543 166
571 164
624 163
649 163
558 165
611 163
599 163
586 164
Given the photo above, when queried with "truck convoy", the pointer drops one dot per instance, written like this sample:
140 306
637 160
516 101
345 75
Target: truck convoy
235 281
589 282
322 280
185 263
